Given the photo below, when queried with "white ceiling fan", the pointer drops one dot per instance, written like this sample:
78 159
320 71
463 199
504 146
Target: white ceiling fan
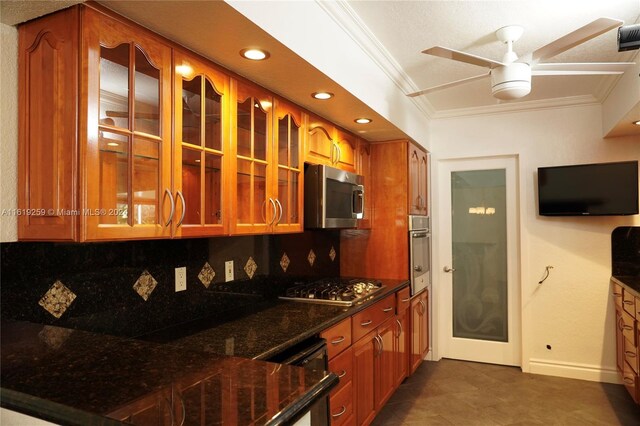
511 77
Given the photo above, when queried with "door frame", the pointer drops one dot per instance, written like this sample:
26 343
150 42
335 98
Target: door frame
441 254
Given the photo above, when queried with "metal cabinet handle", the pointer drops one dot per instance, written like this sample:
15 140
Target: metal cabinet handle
627 327
405 300
424 307
447 269
173 206
275 211
281 210
617 294
339 153
400 330
620 323
184 410
389 309
338 340
342 374
628 380
381 344
366 323
184 208
628 302
631 354
379 340
344 410
331 155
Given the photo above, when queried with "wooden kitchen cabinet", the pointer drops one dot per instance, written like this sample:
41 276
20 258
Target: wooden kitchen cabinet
253 208
201 146
419 329
328 145
402 346
418 169
363 168
365 353
110 86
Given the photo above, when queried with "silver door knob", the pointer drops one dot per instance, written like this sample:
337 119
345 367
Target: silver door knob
417 268
447 269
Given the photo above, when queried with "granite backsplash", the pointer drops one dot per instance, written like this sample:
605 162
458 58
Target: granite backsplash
625 251
127 288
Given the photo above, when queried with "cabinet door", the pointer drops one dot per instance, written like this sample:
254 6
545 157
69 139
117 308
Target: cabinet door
345 157
363 167
619 341
364 358
385 363
320 147
417 180
424 343
288 152
126 120
200 148
47 130
402 346
253 208
418 331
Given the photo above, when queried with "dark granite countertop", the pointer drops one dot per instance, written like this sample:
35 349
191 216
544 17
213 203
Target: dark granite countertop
76 377
630 282
274 326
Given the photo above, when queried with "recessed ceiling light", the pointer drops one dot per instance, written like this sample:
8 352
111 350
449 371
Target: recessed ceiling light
322 95
363 120
637 123
254 54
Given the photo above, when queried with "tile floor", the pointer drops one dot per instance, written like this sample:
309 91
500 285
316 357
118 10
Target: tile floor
450 392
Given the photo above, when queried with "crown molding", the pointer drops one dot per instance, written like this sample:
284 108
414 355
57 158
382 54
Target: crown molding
569 101
350 22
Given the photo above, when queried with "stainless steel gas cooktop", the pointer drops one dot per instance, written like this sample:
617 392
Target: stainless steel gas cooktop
333 291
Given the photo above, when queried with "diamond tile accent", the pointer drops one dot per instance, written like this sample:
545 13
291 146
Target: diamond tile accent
284 262
206 275
250 267
311 257
145 285
332 254
57 299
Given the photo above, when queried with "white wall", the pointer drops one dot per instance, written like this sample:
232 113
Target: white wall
8 131
572 310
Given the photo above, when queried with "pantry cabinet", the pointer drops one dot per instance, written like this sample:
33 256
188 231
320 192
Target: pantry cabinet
201 148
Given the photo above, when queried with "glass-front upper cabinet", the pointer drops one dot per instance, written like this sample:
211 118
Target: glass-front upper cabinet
127 168
289 159
253 207
200 147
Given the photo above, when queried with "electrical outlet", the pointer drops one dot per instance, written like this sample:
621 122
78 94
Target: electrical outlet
181 278
228 270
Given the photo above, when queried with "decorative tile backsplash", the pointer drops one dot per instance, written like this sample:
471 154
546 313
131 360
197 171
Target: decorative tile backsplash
127 288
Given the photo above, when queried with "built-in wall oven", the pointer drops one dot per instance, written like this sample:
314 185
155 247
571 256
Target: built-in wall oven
419 253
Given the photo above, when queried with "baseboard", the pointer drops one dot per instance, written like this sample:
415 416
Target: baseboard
571 370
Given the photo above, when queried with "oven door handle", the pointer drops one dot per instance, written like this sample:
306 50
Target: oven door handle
357 203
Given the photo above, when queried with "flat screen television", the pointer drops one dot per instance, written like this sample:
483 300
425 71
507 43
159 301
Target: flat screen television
604 189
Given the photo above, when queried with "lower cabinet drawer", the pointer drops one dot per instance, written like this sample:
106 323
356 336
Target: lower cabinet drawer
630 381
631 355
373 316
341 406
338 337
342 366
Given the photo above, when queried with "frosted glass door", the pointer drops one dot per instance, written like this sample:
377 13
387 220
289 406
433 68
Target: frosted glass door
479 247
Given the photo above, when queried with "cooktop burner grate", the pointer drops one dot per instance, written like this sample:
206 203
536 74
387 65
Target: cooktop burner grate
333 291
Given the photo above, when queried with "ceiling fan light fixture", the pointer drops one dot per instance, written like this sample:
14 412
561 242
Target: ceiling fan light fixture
511 82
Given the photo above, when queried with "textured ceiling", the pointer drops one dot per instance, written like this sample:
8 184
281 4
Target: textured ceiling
405 28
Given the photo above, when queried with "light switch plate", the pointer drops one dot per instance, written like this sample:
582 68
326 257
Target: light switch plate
228 270
181 279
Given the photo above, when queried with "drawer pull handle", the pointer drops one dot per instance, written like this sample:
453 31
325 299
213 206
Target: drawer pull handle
629 353
628 302
387 309
628 380
621 323
366 323
616 294
627 327
344 410
405 300
338 340
341 375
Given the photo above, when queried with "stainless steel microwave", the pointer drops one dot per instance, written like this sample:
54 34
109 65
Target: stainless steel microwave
333 198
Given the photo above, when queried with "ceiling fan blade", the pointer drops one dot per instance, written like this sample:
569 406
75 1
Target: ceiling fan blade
579 36
588 68
456 55
447 85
